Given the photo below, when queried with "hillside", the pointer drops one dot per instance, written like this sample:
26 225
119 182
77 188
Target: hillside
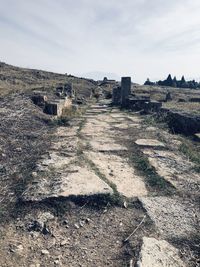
98 185
16 79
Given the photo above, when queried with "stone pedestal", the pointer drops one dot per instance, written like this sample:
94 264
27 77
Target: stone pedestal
125 90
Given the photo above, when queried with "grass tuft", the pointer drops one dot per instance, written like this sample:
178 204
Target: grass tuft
155 181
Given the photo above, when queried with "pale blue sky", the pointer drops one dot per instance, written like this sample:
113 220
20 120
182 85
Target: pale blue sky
140 38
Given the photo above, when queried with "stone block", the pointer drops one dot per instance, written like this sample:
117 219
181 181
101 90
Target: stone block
39 100
53 108
56 107
125 90
152 106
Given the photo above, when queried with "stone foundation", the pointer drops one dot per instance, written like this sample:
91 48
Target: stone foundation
56 107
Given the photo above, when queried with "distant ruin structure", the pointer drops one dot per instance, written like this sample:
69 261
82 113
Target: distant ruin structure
65 90
54 104
56 107
123 97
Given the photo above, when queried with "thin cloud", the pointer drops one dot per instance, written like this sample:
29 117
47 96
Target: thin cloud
133 37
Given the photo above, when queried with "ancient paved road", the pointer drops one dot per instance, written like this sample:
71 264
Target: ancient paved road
92 158
64 173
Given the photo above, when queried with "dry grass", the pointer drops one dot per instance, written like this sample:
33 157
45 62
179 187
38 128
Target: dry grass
159 93
15 79
183 106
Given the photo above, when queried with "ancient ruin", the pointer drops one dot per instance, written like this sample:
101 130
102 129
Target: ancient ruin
54 104
124 97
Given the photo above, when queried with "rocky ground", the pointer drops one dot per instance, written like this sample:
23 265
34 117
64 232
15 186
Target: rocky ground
107 190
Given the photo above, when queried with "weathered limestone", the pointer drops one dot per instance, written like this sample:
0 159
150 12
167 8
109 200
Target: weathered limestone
76 181
39 99
55 160
175 169
171 216
149 143
125 125
117 170
158 253
125 90
56 108
106 144
151 129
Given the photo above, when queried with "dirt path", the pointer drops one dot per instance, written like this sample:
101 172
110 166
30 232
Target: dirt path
104 178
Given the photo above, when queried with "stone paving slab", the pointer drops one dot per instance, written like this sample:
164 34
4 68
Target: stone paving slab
175 169
118 171
172 217
158 253
55 161
149 143
151 129
106 144
122 117
125 125
75 181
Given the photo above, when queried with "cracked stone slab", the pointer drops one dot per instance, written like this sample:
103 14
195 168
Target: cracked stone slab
75 181
149 143
158 253
104 118
91 128
118 115
125 126
122 117
151 129
172 217
106 144
117 170
55 161
175 169
98 131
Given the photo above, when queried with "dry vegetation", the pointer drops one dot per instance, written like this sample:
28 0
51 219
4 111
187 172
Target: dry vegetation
178 94
15 79
185 106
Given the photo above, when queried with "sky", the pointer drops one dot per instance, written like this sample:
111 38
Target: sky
96 38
